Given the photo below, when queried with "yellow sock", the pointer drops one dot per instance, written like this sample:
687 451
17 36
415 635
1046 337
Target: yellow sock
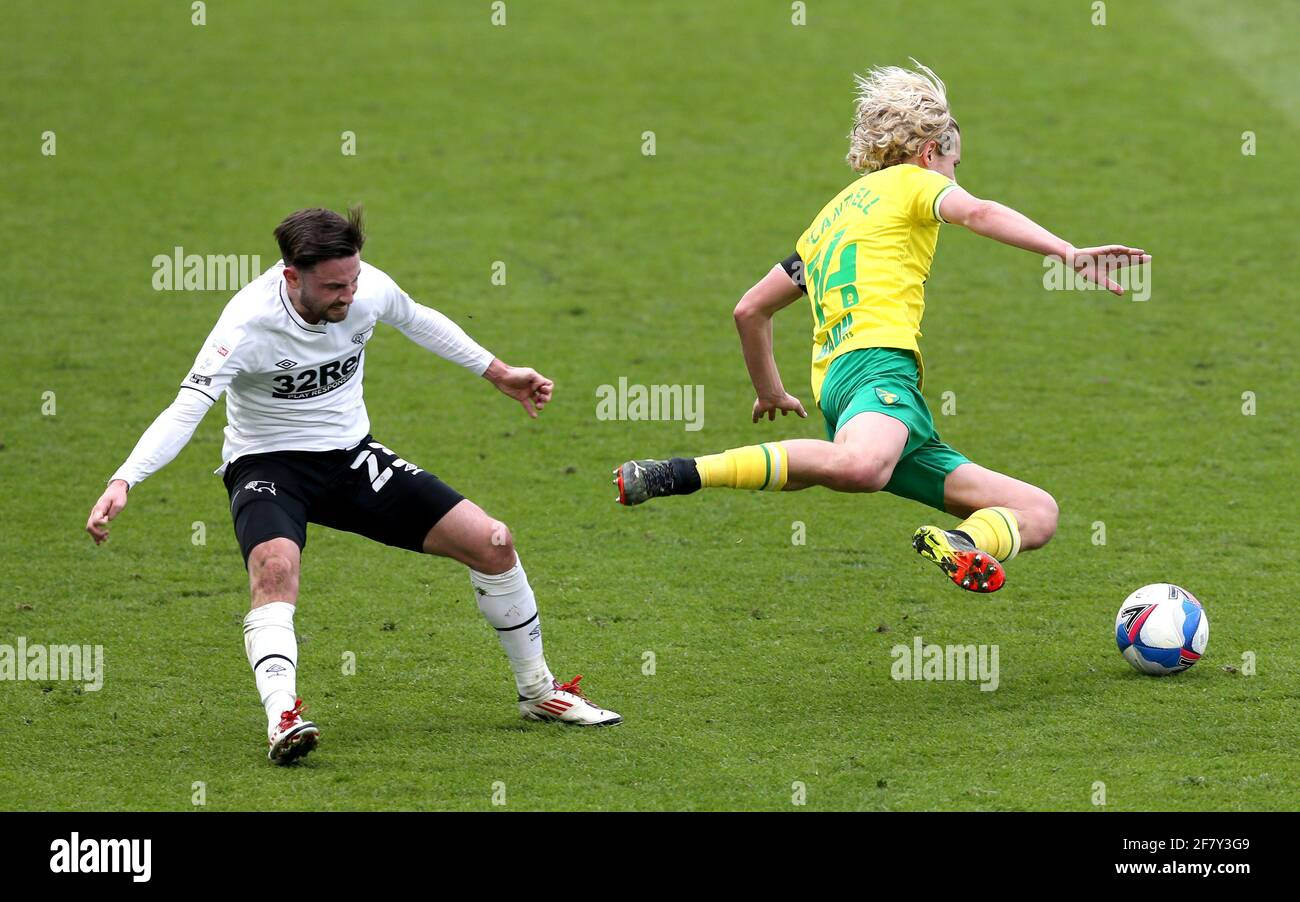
993 529
764 466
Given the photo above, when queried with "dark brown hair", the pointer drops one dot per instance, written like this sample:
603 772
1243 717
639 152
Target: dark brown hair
310 236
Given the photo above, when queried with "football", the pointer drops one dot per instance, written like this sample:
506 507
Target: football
1161 629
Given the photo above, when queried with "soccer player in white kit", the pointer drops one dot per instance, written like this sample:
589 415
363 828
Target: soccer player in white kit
289 353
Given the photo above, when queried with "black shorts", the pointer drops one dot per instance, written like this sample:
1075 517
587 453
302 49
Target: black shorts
367 490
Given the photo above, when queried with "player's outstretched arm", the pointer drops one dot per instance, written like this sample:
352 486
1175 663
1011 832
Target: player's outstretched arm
753 317
1001 223
159 445
527 386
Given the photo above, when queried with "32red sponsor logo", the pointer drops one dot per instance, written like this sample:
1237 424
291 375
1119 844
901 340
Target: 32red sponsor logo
314 381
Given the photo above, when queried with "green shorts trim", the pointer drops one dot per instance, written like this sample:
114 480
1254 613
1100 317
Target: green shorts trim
884 380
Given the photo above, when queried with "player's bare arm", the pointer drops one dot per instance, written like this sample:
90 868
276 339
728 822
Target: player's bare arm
1001 223
753 316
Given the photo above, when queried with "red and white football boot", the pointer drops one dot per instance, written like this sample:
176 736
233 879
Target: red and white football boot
565 703
294 737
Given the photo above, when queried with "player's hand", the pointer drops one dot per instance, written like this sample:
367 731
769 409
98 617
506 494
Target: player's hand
527 386
108 506
1097 263
786 403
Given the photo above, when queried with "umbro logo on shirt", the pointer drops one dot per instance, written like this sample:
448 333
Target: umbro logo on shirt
287 364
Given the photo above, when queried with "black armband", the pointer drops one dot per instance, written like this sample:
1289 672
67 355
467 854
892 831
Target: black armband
793 266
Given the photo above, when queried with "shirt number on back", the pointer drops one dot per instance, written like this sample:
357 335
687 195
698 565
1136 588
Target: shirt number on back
842 279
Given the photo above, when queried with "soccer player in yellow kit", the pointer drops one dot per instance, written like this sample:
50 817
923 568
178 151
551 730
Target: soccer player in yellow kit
863 263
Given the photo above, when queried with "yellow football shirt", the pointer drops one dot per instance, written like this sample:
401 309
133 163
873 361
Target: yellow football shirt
866 257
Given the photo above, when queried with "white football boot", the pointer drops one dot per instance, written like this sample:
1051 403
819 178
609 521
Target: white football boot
565 703
294 737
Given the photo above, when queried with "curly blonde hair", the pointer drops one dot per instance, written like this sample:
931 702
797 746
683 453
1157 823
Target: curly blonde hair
897 112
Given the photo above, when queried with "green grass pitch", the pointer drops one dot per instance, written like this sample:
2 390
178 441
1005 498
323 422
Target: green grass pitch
523 143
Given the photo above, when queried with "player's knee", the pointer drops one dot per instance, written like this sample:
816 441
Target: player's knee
1050 513
497 555
864 475
1044 515
273 571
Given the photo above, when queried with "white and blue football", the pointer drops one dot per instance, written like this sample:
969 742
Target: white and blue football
1161 629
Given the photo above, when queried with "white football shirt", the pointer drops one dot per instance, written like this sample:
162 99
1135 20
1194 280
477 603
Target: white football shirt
290 384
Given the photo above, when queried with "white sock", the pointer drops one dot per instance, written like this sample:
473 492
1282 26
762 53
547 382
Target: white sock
507 602
272 651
